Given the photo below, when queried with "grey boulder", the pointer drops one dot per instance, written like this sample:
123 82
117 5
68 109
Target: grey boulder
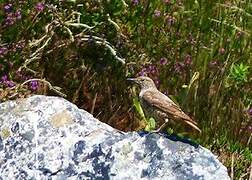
50 138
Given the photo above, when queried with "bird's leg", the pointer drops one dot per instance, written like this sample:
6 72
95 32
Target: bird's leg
162 126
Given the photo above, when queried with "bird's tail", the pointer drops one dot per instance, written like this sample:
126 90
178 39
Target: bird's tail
192 123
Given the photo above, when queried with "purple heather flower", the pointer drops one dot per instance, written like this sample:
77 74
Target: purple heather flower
178 67
141 73
222 51
250 128
34 85
214 64
152 69
178 34
18 14
8 8
40 6
250 111
6 82
170 20
4 78
135 2
3 50
9 20
9 83
188 59
163 61
20 45
157 13
167 1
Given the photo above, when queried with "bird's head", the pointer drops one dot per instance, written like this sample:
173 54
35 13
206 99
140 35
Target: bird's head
143 81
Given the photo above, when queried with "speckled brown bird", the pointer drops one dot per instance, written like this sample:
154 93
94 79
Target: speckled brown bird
157 105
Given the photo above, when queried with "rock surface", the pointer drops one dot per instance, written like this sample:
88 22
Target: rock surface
49 138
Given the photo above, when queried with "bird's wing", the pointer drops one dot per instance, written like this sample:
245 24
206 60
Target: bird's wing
165 104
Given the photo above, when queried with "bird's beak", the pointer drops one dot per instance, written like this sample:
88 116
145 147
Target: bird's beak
134 80
131 79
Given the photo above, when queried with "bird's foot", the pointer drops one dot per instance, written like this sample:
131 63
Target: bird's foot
161 127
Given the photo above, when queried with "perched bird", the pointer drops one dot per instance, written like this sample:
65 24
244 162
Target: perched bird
157 105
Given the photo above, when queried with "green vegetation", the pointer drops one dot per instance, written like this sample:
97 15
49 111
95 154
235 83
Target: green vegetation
197 52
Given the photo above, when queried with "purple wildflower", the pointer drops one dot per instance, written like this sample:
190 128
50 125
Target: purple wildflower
142 72
178 34
250 111
178 67
188 60
135 2
34 85
8 8
4 78
3 51
40 6
170 20
250 128
9 83
6 82
18 14
163 61
157 13
191 39
9 20
152 69
214 64
167 1
20 45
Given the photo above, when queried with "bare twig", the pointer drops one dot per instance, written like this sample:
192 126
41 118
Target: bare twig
70 33
54 88
232 167
38 41
113 22
93 104
107 45
113 115
70 23
115 25
249 139
35 55
42 47
250 174
124 3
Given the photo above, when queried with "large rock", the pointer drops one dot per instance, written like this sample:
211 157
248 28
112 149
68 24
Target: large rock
50 138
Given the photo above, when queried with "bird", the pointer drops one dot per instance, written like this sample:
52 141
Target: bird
157 105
